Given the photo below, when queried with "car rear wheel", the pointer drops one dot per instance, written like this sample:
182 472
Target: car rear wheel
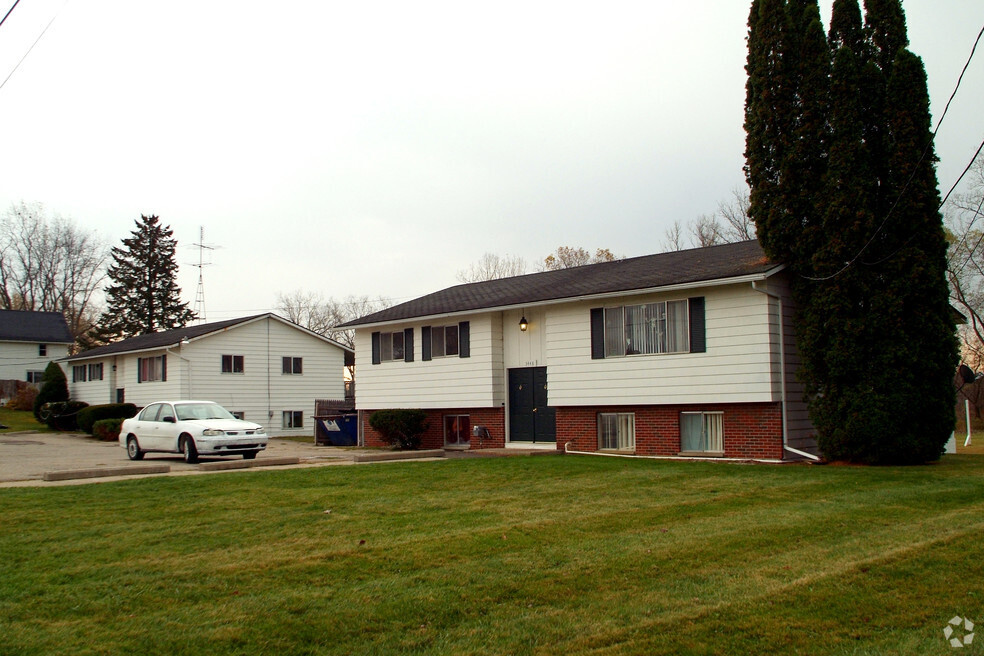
188 450
249 455
133 449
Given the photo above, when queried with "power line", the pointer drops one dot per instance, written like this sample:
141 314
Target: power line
2 84
9 11
905 187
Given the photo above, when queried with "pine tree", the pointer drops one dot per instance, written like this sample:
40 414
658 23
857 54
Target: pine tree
144 296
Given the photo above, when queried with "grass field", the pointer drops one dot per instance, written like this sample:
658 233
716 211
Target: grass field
19 420
522 555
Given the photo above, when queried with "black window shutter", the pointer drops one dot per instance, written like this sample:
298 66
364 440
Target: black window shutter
597 333
408 344
425 345
464 343
375 348
139 370
698 339
163 367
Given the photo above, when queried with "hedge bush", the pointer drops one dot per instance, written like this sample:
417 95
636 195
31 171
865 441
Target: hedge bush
62 415
89 416
107 430
402 428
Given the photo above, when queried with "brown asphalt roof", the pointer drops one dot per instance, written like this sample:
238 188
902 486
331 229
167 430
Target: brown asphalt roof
637 273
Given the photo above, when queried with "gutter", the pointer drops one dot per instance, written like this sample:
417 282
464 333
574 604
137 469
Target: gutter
167 349
782 377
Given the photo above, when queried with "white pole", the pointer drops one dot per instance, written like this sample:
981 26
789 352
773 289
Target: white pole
967 408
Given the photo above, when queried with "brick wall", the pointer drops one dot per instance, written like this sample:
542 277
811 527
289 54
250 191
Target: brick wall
491 418
751 430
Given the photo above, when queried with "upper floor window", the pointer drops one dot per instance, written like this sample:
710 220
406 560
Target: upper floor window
42 350
152 369
398 345
651 328
392 346
444 340
293 365
232 364
647 328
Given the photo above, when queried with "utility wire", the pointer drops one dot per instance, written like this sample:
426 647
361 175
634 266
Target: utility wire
9 12
2 84
898 199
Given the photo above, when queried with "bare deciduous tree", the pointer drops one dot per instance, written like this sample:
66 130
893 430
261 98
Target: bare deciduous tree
320 315
492 267
566 257
50 265
965 263
729 224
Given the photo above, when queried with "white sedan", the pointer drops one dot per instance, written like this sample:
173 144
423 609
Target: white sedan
191 428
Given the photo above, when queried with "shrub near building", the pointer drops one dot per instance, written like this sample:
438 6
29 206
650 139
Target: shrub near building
88 417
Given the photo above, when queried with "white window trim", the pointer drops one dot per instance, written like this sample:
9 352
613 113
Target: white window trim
718 419
629 418
684 348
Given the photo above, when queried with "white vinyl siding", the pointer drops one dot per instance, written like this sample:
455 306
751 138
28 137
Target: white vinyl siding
442 382
739 366
260 392
17 358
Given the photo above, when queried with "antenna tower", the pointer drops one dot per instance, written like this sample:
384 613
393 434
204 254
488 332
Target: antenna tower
199 308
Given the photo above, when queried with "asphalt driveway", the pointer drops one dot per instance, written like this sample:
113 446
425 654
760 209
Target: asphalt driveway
26 457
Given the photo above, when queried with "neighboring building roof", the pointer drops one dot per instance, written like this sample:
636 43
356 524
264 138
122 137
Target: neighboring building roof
678 268
173 338
41 327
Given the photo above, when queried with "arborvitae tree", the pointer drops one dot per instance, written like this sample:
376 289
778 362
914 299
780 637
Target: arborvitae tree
144 296
873 324
769 99
54 388
785 114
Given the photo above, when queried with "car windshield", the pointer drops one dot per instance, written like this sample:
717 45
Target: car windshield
194 411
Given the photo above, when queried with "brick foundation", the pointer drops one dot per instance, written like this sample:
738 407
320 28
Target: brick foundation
491 418
751 430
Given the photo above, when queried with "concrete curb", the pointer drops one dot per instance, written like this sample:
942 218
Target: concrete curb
247 464
70 474
384 456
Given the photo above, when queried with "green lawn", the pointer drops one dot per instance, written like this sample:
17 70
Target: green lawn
552 555
19 420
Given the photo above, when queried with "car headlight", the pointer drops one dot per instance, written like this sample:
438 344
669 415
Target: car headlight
211 432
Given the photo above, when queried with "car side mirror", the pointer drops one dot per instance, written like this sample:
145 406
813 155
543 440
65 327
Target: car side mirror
169 420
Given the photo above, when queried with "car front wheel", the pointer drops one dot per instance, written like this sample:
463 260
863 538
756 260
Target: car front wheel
188 450
133 449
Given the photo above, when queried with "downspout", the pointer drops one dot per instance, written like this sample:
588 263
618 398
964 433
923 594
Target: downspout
170 352
782 376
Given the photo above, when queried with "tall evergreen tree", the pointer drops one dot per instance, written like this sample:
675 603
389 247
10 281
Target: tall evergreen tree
873 322
144 296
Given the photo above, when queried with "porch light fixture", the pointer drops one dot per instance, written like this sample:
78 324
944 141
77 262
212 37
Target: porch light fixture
524 324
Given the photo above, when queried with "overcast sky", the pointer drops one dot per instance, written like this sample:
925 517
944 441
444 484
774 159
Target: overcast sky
379 148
